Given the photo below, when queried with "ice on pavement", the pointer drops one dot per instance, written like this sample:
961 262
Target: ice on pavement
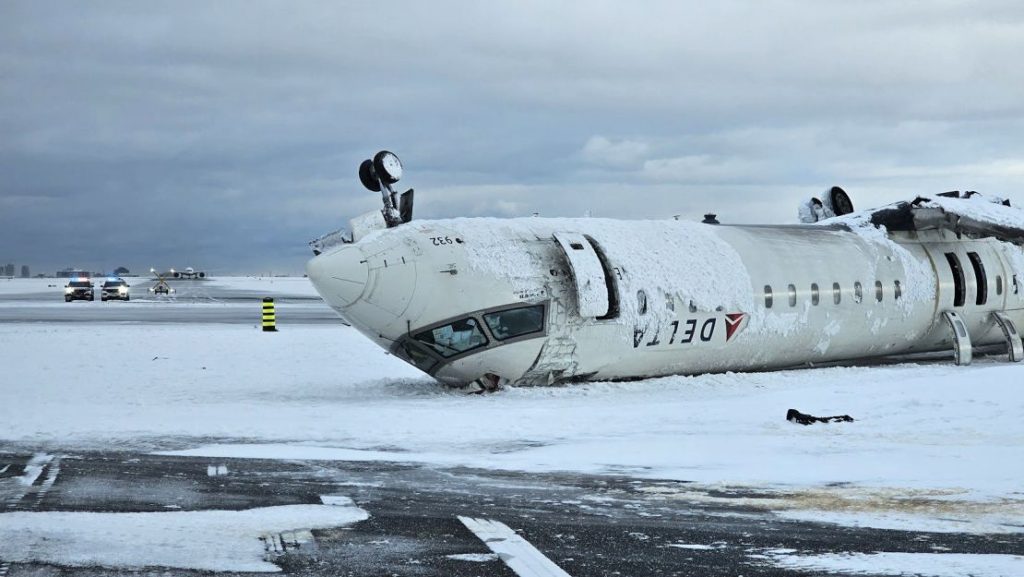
203 540
910 564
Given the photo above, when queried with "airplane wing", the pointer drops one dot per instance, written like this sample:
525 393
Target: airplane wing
971 213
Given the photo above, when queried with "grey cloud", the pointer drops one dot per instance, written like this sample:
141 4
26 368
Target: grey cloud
227 134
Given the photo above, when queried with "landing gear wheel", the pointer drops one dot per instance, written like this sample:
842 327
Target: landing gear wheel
368 176
388 167
67 299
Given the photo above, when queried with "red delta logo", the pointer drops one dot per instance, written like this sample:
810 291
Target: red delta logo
733 322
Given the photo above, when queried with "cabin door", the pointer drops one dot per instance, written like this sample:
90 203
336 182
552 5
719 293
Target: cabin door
587 272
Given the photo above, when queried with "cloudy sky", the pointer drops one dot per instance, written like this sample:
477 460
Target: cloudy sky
225 135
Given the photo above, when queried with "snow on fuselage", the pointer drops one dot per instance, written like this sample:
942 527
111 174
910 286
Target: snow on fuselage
464 298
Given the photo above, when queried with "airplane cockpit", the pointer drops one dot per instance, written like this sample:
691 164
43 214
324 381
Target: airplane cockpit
435 345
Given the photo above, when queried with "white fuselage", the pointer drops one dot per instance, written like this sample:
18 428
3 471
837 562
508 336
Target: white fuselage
609 299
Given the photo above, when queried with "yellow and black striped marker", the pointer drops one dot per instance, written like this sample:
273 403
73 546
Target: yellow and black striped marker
269 317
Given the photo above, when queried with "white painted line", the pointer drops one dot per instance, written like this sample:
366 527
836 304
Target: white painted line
516 552
51 477
33 468
4 470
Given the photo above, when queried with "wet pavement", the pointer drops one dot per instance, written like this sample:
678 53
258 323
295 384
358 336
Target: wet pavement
585 525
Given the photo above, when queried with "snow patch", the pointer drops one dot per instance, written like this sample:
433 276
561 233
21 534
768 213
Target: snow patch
908 564
202 540
336 501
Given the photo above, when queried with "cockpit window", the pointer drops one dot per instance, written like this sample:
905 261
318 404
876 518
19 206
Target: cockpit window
515 322
454 338
421 359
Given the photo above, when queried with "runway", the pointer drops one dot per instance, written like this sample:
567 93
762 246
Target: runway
192 302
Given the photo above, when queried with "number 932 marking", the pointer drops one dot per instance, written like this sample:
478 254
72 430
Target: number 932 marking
441 240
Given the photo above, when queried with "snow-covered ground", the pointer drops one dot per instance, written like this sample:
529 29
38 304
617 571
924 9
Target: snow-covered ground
288 285
933 447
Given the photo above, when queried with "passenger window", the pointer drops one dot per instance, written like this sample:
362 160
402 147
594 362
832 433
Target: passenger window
515 322
454 338
768 296
878 291
641 301
837 294
792 295
897 290
815 297
999 285
858 292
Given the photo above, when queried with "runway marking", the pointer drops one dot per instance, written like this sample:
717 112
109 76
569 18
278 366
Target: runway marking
516 552
51 477
34 468
28 478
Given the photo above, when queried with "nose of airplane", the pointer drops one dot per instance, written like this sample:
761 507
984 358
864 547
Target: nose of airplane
339 276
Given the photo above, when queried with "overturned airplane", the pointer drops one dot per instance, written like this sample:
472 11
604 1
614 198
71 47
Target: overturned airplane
551 300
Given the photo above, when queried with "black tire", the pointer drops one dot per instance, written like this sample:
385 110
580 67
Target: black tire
841 203
91 298
67 299
382 171
368 176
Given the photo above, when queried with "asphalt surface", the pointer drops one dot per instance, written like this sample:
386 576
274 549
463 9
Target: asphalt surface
586 525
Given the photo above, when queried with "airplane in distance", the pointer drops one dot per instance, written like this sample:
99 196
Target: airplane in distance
541 301
188 274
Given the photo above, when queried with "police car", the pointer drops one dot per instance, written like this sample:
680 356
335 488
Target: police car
114 289
78 289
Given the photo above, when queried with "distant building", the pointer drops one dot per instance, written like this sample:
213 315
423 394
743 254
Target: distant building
71 272
9 270
24 271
